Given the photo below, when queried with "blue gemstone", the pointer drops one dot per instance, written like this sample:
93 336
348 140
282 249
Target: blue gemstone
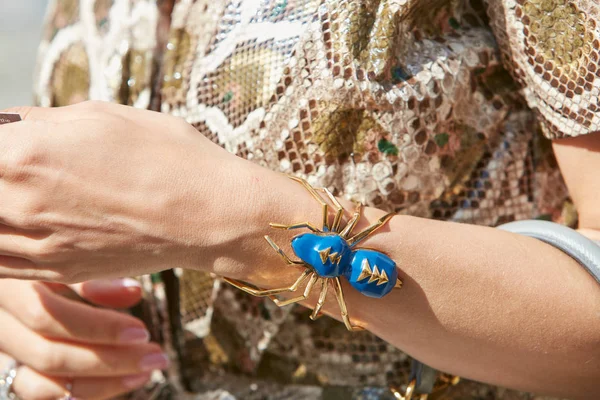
327 253
372 273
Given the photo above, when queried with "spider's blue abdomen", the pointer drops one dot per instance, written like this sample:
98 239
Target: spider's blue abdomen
372 273
328 254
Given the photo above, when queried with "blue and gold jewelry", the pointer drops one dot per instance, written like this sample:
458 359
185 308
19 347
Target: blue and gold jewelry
329 254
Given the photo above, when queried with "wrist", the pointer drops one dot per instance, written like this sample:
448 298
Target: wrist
271 197
222 214
264 197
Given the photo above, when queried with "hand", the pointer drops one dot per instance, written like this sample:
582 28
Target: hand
59 341
101 190
98 190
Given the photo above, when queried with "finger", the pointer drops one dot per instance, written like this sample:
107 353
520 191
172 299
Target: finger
12 240
31 385
16 249
65 359
20 268
7 229
113 293
54 316
63 290
18 245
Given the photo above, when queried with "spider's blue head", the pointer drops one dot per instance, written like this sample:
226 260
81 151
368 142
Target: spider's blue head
328 254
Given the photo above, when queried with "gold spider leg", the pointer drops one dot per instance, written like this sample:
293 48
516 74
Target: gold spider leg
317 311
339 210
339 294
306 225
317 197
359 237
313 279
269 292
352 223
282 253
410 391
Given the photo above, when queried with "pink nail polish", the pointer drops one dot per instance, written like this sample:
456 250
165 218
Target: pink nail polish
154 361
134 336
135 381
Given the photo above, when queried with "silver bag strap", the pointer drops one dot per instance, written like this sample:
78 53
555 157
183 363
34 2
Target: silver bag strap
585 251
424 377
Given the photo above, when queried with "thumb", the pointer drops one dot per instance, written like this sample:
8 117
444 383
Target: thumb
113 293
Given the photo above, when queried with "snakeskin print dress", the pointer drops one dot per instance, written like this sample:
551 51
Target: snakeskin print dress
435 108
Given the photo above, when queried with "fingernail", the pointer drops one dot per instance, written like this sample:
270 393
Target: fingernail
134 336
129 283
135 381
154 361
112 284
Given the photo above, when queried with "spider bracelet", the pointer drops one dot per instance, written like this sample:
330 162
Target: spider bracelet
330 253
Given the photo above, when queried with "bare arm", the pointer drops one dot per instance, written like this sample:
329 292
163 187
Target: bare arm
478 302
579 160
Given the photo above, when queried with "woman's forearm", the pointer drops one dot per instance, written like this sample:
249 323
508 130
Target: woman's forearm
491 306
476 301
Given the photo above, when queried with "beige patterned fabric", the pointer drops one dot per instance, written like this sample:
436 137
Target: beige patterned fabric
432 108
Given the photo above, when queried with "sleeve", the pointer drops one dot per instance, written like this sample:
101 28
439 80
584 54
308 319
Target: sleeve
552 49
